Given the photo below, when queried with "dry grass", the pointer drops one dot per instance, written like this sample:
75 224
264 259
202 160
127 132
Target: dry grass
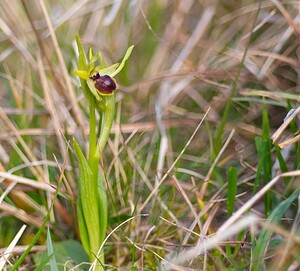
191 58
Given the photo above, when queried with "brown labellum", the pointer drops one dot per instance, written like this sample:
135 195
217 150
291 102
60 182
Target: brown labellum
105 84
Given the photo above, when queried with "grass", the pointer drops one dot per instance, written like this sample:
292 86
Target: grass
201 167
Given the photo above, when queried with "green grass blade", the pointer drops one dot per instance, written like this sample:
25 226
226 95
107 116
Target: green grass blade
224 120
281 161
267 161
265 122
37 236
265 235
27 251
231 190
240 237
259 170
264 167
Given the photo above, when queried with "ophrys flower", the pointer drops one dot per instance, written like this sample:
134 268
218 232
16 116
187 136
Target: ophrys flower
100 79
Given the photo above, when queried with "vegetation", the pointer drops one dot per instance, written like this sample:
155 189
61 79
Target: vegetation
201 166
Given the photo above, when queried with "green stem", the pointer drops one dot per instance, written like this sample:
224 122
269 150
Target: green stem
96 149
108 118
107 121
93 136
94 156
89 189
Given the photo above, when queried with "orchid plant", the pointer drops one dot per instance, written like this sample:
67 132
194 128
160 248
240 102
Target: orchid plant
98 85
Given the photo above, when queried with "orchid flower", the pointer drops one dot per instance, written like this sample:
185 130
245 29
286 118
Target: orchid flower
98 85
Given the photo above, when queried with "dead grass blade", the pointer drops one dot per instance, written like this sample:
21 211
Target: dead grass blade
22 180
172 166
285 124
237 215
4 258
206 244
71 94
205 182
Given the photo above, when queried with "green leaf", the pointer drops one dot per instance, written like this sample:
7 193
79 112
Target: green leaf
70 251
84 237
88 192
53 263
41 264
102 210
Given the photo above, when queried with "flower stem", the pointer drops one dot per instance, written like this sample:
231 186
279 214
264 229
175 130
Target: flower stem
93 136
94 156
108 117
96 149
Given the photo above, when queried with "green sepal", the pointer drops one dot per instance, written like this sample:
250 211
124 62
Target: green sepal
127 55
82 74
81 59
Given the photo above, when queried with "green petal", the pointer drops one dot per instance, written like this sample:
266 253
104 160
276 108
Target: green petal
94 58
90 54
127 55
91 64
109 70
102 63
